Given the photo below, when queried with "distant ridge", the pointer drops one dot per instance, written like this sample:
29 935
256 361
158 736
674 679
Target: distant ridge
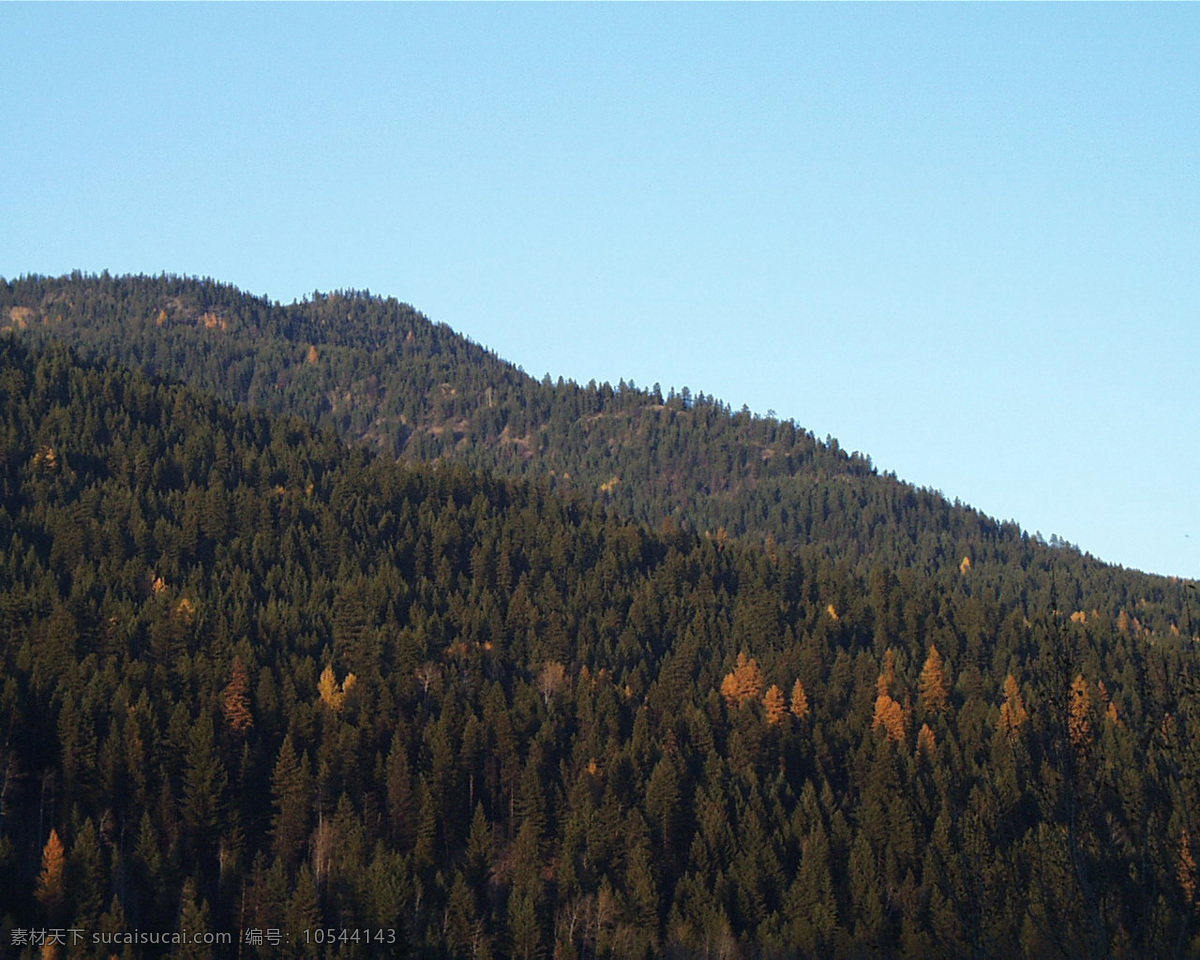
380 373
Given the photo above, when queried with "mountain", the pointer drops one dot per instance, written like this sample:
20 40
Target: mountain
258 680
379 373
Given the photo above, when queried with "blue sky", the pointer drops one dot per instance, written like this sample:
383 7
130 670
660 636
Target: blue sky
962 239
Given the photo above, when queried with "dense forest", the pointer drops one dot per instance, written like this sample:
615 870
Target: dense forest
378 372
752 700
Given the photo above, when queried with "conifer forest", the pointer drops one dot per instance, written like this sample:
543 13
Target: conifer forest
326 632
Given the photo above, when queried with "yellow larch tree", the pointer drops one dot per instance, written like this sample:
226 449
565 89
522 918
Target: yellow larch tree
744 684
888 713
333 695
773 704
1012 711
932 695
799 704
51 882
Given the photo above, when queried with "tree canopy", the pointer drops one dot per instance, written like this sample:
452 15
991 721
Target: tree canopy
255 679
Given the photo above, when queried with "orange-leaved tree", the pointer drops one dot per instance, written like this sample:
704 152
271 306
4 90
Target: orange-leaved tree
773 703
799 703
889 714
744 683
51 882
933 696
1012 711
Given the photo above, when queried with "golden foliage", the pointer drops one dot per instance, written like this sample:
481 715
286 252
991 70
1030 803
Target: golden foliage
327 687
965 565
333 695
312 356
799 700
926 741
832 611
773 703
1012 711
888 712
51 884
744 684
933 696
890 716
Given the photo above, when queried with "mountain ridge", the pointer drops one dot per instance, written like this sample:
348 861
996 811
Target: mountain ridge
381 373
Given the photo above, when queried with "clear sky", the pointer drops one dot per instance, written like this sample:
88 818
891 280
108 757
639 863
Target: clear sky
962 239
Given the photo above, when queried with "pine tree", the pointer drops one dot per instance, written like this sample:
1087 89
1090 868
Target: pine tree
887 674
303 912
235 699
204 785
523 925
401 801
464 927
194 920
926 741
291 790
86 876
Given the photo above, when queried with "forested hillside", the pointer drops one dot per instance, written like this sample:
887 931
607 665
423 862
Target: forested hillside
378 372
255 680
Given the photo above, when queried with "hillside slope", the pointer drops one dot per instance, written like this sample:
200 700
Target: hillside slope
379 373
255 680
